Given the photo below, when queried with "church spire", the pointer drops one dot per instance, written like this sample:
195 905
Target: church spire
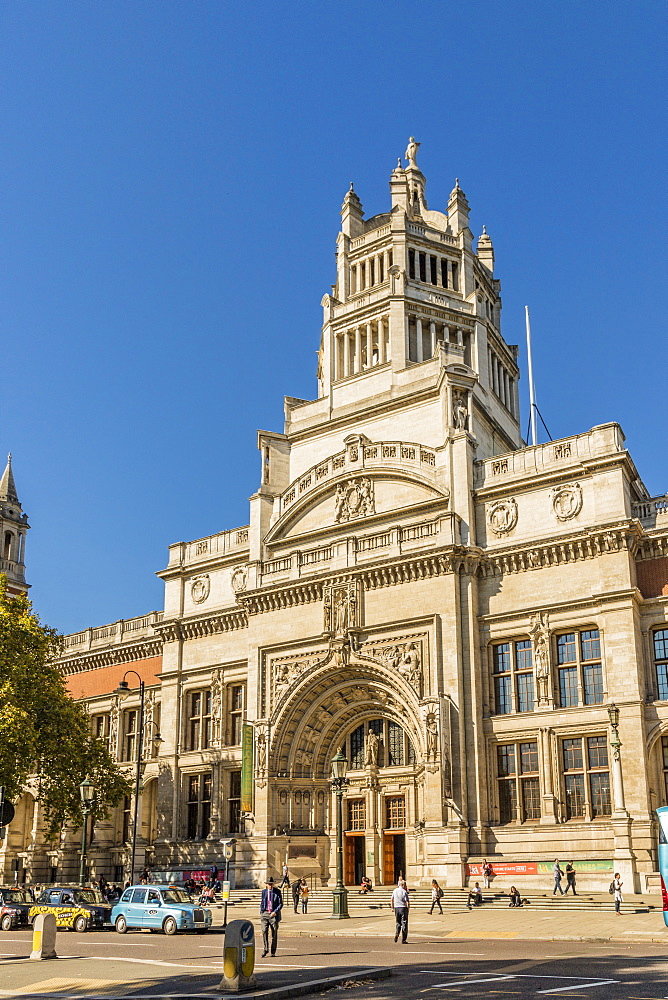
7 484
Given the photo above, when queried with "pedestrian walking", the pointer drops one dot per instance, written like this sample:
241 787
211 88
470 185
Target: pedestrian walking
271 904
296 890
304 896
436 896
616 889
570 879
401 904
284 877
486 873
558 875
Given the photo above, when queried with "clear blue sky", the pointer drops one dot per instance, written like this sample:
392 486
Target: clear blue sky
171 179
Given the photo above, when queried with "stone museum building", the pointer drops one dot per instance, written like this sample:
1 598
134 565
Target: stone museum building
456 610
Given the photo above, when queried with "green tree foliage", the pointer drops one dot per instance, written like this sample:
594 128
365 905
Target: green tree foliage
45 737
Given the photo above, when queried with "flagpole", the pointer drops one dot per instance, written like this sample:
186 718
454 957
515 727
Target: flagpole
532 391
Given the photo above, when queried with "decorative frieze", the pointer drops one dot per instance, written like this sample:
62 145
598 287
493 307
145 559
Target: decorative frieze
353 499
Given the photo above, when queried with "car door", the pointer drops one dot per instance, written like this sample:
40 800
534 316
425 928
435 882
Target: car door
152 914
135 908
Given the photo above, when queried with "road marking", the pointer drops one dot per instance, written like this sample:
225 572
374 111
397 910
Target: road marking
585 986
467 982
152 961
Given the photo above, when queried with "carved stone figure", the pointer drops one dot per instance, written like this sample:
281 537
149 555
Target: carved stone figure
393 656
354 498
371 754
200 588
411 667
567 501
411 152
540 637
114 719
239 579
460 413
339 502
261 744
432 737
340 606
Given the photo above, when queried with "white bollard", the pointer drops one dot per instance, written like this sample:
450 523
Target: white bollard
44 937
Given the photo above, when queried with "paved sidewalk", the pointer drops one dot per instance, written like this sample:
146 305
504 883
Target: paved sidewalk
554 924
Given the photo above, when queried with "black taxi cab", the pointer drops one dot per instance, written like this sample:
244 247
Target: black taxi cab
77 908
15 903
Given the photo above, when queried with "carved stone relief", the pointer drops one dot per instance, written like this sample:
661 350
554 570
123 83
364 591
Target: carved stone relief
354 498
200 587
567 501
239 579
217 691
502 516
432 738
341 606
404 654
286 670
460 413
540 637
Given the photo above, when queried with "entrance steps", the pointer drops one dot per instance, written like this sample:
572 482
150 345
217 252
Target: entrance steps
454 900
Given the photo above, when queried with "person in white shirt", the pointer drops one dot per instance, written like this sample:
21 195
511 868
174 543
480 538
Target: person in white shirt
619 899
401 904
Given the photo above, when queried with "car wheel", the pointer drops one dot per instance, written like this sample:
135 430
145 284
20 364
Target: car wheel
121 925
6 923
80 925
169 926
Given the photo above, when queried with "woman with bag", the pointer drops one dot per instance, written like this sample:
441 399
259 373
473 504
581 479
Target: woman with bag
436 896
616 889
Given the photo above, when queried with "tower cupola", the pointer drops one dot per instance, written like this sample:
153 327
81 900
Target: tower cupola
13 528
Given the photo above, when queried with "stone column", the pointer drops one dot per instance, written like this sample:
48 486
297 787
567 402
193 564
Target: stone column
548 812
432 337
381 341
408 338
369 345
358 349
346 355
418 324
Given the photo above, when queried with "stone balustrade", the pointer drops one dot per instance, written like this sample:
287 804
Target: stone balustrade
201 549
115 634
652 513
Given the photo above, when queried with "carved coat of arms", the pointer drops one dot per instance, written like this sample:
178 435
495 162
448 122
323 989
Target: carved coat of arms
354 498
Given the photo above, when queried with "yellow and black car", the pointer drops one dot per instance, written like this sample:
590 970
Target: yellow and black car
80 909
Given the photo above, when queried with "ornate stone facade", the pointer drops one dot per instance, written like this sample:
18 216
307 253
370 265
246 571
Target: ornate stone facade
454 609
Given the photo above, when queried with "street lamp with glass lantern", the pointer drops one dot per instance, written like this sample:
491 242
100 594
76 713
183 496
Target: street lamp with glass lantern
87 793
339 781
123 690
616 746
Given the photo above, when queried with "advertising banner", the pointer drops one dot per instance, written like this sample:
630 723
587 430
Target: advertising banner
539 867
246 768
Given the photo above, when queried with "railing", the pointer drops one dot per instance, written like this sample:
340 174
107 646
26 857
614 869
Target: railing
371 542
213 545
652 513
313 556
277 565
116 632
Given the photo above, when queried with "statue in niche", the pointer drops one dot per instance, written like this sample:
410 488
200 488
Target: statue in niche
540 637
411 152
460 413
261 752
432 737
371 755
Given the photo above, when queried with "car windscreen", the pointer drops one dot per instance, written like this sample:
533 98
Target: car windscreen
175 896
15 896
88 896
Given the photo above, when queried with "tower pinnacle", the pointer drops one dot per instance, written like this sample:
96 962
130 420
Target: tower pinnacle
7 484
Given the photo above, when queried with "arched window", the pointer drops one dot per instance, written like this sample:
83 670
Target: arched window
392 746
7 548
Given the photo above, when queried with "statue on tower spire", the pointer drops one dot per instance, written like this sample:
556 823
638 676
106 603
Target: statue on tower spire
411 152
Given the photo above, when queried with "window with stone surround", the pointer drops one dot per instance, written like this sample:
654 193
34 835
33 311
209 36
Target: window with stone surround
393 749
198 735
395 812
198 806
130 732
234 803
664 766
512 667
660 645
518 781
101 725
236 713
356 814
580 672
126 819
586 777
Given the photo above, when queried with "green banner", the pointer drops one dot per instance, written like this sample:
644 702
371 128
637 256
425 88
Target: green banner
580 866
247 768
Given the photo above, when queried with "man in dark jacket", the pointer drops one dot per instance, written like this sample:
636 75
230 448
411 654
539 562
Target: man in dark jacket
271 905
296 892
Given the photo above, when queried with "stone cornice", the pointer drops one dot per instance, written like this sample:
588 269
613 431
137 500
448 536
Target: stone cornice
587 544
652 546
110 656
195 628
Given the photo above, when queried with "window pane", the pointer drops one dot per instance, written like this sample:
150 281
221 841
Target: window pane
396 756
599 784
377 726
593 684
661 644
506 759
566 648
235 784
572 750
568 686
531 798
664 750
574 795
196 703
502 695
524 692
523 655
528 758
590 645
662 680
501 655
597 748
507 801
357 748
395 812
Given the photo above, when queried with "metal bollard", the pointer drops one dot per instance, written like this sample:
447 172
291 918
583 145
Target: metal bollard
239 956
44 937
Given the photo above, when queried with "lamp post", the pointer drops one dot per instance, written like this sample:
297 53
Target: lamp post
123 690
616 746
339 781
87 793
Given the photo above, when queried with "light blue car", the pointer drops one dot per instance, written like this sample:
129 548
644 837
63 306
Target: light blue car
160 907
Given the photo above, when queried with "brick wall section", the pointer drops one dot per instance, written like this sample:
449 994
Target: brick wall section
104 680
653 577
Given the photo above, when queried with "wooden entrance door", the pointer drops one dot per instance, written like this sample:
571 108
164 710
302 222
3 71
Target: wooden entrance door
388 859
349 860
